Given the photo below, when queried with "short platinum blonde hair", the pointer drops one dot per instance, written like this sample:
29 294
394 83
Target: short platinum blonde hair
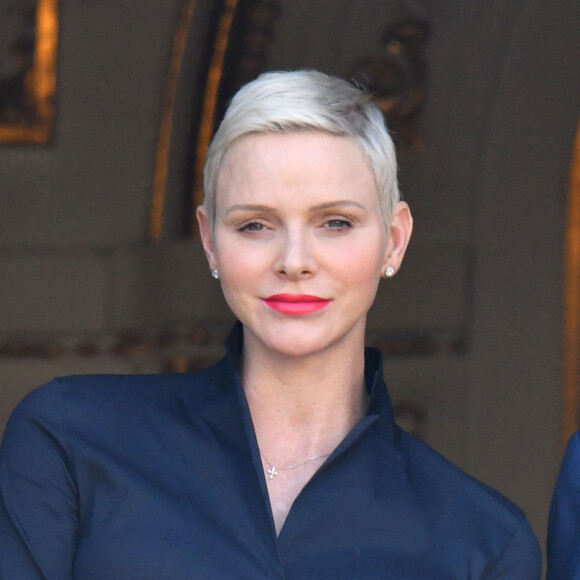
306 100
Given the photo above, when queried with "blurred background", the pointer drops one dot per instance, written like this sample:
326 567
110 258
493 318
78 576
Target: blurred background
106 109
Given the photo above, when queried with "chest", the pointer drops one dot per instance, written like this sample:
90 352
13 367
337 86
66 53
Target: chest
284 486
205 511
221 535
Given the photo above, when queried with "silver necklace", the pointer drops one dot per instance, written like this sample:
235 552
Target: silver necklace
273 471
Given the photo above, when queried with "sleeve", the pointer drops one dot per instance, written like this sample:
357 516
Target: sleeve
521 560
38 498
564 521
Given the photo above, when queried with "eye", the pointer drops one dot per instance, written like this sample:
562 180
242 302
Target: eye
338 224
252 227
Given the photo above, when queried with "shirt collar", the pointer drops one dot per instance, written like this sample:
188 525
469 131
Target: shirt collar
379 405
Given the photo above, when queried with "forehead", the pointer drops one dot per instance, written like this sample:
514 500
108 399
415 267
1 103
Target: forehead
300 160
292 142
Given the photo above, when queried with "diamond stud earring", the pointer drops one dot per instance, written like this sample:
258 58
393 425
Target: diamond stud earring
389 272
215 274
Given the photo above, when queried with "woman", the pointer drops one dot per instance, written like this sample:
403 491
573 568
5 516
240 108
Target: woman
283 460
564 522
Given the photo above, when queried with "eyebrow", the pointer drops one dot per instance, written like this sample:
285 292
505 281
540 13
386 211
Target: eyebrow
247 207
339 203
319 207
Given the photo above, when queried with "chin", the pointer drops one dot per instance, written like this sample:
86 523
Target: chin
295 345
301 350
298 341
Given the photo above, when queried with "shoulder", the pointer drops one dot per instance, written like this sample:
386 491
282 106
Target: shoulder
97 392
564 521
568 483
479 515
447 479
90 400
117 389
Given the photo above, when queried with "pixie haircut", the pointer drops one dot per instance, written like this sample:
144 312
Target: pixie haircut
306 100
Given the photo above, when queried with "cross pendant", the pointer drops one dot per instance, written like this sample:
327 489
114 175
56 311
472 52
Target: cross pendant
272 472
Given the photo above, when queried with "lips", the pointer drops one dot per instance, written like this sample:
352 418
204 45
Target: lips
296 304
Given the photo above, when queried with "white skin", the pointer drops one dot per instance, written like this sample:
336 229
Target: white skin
299 213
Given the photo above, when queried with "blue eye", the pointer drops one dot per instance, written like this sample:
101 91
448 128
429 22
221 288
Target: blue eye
252 227
337 224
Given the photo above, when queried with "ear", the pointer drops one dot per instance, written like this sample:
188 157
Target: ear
400 234
206 234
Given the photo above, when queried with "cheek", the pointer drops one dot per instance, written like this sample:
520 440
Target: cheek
361 262
239 265
238 282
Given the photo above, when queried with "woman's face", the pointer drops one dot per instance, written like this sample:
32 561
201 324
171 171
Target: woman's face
299 240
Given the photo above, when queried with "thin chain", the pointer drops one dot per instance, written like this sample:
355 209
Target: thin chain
274 470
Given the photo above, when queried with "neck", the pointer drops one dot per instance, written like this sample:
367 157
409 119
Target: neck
303 406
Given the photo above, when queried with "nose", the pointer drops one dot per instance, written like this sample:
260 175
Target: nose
296 258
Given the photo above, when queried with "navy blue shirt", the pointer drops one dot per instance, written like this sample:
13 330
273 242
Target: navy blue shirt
160 477
564 523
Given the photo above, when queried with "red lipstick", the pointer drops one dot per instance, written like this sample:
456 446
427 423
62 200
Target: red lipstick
296 303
